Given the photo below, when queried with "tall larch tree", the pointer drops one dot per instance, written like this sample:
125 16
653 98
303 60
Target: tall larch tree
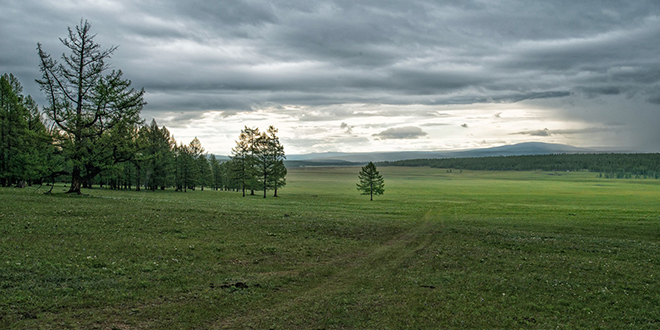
216 172
270 161
86 102
242 161
252 135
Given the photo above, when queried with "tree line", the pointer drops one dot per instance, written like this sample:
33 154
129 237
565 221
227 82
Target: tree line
607 165
91 131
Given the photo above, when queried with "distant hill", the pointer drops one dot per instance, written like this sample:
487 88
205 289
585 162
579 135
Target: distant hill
528 148
355 159
221 158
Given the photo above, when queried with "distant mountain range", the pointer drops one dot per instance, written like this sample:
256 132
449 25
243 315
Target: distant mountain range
345 159
353 159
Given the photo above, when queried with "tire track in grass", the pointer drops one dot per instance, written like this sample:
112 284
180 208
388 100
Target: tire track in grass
360 275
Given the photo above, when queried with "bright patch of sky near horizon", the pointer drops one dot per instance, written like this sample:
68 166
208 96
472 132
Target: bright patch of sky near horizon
360 76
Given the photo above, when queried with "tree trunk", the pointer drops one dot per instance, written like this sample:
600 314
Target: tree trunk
137 181
265 185
76 180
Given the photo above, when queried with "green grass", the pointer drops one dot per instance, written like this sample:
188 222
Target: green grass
438 250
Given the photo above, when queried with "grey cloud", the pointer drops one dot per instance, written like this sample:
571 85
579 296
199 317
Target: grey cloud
346 128
322 144
594 91
407 132
541 132
547 132
197 56
434 124
534 96
654 99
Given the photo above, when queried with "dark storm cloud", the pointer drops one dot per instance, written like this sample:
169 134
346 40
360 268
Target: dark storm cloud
594 91
195 56
654 99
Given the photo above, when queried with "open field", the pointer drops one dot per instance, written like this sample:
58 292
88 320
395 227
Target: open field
438 250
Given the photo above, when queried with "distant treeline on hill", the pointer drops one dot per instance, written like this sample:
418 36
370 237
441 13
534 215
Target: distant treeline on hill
607 165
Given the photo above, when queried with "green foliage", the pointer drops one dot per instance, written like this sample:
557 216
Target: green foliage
609 165
216 173
269 161
258 161
96 112
205 174
156 156
241 166
371 182
27 151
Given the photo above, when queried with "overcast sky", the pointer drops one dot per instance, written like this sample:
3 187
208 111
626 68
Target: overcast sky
375 75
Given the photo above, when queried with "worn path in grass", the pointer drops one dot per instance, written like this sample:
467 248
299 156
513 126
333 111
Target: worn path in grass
362 276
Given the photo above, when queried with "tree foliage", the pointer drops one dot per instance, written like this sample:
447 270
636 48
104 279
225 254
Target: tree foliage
91 130
155 156
258 161
269 161
608 165
27 151
96 111
242 162
371 182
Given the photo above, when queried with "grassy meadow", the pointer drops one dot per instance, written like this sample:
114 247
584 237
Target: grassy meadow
438 250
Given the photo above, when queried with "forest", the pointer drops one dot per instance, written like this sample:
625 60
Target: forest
621 166
139 156
146 156
91 133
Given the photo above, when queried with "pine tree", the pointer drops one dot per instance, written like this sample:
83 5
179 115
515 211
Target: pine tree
183 165
278 173
27 152
252 136
371 182
216 172
205 173
87 104
242 160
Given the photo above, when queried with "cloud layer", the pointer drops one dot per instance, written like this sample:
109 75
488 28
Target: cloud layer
407 132
364 62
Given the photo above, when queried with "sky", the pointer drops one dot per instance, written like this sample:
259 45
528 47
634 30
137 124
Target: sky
363 76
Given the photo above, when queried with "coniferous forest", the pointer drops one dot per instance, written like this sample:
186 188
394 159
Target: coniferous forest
606 165
90 133
145 156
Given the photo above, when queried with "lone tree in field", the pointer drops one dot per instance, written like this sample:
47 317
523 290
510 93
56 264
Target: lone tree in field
95 111
371 182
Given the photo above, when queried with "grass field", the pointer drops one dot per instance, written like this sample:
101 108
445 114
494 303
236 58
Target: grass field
438 250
